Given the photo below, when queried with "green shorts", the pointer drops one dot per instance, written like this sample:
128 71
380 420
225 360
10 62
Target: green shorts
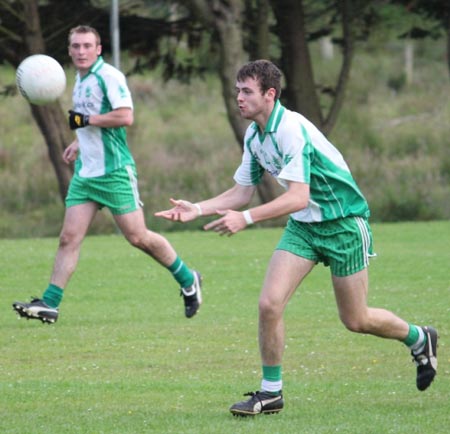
343 244
117 191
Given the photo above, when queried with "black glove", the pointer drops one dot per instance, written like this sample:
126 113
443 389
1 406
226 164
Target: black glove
78 120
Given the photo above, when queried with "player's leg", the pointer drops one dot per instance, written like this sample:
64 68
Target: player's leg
77 220
119 192
133 227
351 297
284 275
159 248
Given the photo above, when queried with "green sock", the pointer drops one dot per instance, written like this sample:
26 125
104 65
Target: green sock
53 295
271 381
181 273
416 337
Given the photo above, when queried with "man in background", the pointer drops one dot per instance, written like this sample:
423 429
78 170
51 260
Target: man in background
105 176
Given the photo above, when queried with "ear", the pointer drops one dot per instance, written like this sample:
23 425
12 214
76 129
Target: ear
99 50
271 93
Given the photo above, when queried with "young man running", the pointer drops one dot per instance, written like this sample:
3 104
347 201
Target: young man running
105 176
328 223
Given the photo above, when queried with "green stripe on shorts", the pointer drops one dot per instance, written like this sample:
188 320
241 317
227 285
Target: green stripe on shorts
343 244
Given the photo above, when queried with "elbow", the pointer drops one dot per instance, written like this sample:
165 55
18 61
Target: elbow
129 120
303 204
242 195
245 201
298 196
300 203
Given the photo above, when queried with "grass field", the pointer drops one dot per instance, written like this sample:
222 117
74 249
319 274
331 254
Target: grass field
123 359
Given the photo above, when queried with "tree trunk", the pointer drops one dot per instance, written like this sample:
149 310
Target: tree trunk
232 57
258 29
49 118
299 93
300 90
52 123
226 20
345 10
409 61
268 188
448 43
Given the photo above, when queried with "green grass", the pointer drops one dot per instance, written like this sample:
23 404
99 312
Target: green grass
123 359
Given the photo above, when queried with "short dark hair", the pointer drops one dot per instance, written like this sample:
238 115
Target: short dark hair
265 73
85 29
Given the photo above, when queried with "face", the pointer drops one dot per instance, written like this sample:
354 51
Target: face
253 104
84 51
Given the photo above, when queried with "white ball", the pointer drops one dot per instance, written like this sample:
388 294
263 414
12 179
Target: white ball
40 79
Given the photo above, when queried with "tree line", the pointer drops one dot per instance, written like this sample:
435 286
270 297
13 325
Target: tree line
191 37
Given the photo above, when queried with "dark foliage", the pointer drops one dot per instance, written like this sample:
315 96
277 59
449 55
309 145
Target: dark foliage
140 35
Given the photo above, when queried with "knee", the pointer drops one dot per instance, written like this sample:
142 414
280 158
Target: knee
269 308
136 240
144 240
355 324
68 239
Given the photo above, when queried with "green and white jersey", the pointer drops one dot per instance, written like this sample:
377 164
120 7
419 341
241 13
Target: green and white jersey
292 149
102 150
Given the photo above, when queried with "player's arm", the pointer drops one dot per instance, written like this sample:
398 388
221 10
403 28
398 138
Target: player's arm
233 198
294 199
120 117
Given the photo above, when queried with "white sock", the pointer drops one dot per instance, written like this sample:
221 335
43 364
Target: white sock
418 347
271 386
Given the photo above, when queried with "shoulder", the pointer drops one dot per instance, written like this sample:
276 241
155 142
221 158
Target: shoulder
297 124
108 71
291 117
291 123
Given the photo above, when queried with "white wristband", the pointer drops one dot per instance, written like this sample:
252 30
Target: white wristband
247 217
199 210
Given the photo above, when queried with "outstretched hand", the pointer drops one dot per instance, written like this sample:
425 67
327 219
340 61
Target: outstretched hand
183 211
230 223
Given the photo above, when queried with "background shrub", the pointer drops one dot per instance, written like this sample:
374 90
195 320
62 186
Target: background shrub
395 141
